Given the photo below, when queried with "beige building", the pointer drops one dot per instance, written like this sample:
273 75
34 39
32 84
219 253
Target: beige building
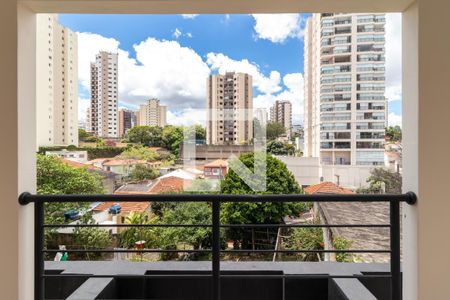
230 109
57 83
281 112
345 103
104 95
152 114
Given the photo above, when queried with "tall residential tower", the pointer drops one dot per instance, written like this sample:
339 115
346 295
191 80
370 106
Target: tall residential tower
127 120
104 95
152 114
56 83
345 103
281 112
230 109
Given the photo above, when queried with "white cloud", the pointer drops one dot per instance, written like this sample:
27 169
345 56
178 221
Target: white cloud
278 27
222 63
89 44
189 35
177 76
163 69
293 93
176 33
394 119
187 117
394 56
189 16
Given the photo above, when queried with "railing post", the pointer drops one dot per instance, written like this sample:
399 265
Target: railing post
39 291
396 287
216 249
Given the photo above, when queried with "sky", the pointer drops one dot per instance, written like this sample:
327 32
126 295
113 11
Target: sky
170 56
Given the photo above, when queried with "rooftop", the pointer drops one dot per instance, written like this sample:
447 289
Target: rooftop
327 188
126 207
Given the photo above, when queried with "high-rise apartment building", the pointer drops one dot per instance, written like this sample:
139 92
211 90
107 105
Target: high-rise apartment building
104 95
345 103
281 112
152 114
127 120
230 109
56 83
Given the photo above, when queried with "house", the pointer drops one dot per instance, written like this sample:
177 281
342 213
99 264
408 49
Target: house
109 178
352 213
161 185
216 169
78 156
122 166
104 215
393 157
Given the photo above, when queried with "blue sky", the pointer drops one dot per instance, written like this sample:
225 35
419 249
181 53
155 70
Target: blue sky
152 47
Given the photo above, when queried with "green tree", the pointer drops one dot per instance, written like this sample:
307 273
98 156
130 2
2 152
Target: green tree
279 181
82 134
131 235
172 137
280 148
394 133
305 239
189 213
146 135
200 133
274 130
141 153
392 182
91 238
141 172
312 239
55 177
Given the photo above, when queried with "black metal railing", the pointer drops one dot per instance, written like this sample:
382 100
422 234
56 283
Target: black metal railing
215 200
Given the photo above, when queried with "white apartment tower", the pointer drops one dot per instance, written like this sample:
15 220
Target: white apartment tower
281 112
345 103
152 114
56 83
104 95
230 109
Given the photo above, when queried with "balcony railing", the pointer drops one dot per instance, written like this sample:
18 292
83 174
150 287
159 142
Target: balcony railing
215 200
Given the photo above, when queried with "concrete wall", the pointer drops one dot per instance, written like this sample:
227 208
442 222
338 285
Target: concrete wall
305 169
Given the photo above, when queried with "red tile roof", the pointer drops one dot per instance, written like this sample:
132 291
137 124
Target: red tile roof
169 184
78 165
217 163
127 207
327 188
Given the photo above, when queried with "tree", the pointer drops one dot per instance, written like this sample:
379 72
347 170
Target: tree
274 130
189 213
392 182
280 148
312 239
92 238
279 181
146 135
394 133
141 172
172 137
55 177
200 133
140 153
82 134
131 235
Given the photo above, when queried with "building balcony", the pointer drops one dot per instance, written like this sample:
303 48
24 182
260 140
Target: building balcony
216 279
